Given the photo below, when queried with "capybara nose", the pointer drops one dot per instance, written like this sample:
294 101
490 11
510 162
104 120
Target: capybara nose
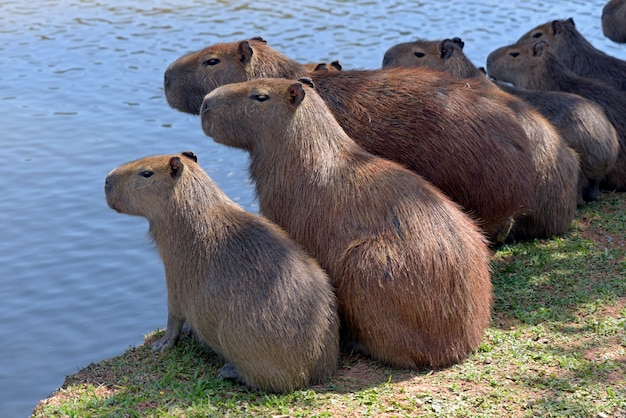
108 185
167 77
205 106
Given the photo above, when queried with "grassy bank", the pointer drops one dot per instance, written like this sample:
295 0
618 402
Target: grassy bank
556 347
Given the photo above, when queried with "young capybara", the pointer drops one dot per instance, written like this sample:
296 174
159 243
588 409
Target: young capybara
614 20
531 65
577 53
411 270
581 122
466 144
245 288
556 168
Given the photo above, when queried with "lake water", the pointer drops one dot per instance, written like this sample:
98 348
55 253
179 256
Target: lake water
81 93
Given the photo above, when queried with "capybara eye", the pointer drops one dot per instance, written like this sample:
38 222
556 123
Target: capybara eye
146 173
419 54
514 54
538 35
212 61
261 97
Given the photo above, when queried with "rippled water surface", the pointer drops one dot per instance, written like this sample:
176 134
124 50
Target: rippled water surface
81 92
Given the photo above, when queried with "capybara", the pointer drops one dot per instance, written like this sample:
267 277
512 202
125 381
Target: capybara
614 20
322 66
469 146
531 65
581 122
556 168
411 270
246 289
577 53
585 127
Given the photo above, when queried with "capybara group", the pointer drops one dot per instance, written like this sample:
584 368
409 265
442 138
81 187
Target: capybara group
578 54
614 20
532 65
411 270
246 289
466 144
555 165
581 122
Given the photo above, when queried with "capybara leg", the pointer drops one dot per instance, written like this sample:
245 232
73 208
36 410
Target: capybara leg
174 325
228 371
591 191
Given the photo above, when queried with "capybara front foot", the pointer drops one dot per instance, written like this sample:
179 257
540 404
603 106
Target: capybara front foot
163 344
228 371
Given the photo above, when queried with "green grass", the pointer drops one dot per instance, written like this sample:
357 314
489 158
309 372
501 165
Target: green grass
556 347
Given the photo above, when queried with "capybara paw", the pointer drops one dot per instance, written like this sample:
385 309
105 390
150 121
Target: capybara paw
228 371
163 344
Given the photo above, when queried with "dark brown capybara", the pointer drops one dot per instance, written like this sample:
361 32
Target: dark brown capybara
614 20
577 53
581 122
410 268
556 167
585 127
468 145
245 288
531 65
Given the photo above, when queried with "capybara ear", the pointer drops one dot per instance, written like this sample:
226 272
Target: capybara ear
308 81
446 48
176 167
538 48
296 94
258 38
321 67
458 42
191 155
245 51
335 64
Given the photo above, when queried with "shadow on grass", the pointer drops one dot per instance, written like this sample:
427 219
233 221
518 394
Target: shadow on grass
557 279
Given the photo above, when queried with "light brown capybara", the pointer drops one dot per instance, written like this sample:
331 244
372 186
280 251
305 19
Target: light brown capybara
411 270
245 288
577 53
556 167
468 145
531 65
614 20
581 122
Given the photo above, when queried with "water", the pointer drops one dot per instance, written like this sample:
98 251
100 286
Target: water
81 93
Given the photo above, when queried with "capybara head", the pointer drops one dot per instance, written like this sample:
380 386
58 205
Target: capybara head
550 31
614 20
520 64
140 187
233 114
322 66
188 79
446 55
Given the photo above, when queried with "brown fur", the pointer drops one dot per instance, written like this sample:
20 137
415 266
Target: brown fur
577 53
322 66
556 167
410 268
614 20
585 127
581 122
469 146
244 287
531 65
